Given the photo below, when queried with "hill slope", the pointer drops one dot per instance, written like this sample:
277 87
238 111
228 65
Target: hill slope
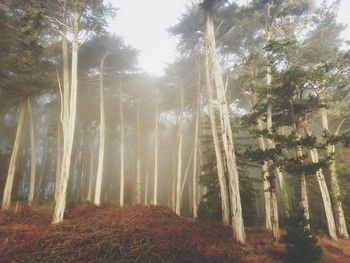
134 234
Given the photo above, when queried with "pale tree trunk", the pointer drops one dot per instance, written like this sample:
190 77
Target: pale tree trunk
225 204
266 183
156 141
304 201
335 189
97 199
6 200
188 166
122 174
195 152
270 143
42 169
325 196
91 174
69 115
146 185
58 159
32 156
179 155
138 154
227 138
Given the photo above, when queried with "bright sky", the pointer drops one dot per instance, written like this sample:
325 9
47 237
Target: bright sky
143 24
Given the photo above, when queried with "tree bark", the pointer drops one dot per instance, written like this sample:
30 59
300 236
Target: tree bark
227 138
6 200
32 156
335 189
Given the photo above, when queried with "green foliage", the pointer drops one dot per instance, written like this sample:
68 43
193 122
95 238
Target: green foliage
301 245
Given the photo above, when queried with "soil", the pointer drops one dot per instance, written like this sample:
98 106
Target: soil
136 234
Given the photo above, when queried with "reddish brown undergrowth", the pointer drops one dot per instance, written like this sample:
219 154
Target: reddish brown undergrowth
134 234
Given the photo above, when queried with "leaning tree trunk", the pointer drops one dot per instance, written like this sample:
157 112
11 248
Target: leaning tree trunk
225 203
325 196
68 119
335 189
179 155
6 200
156 141
227 138
122 174
39 191
98 187
32 156
138 154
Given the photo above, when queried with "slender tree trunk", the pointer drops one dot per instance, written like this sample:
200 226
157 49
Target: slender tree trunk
195 150
138 154
6 200
91 174
179 155
156 141
32 156
335 189
225 204
58 159
304 201
236 207
97 200
122 175
266 183
270 144
39 189
69 115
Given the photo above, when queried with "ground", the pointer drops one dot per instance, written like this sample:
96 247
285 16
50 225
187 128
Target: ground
135 234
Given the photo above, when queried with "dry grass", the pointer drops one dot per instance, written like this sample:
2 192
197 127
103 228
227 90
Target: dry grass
135 234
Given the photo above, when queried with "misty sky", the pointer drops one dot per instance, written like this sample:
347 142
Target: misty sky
143 25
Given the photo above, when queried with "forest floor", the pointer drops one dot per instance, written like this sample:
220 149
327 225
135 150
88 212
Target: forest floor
135 234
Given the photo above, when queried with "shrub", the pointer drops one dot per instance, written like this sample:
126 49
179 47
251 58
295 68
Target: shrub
301 244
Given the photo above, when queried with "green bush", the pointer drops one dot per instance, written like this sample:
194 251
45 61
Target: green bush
301 244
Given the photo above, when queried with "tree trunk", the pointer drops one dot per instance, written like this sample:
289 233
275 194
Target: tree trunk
32 156
58 159
325 196
227 138
91 174
156 139
6 200
304 201
270 144
69 115
122 175
138 154
179 155
97 200
39 192
225 205
195 150
335 189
